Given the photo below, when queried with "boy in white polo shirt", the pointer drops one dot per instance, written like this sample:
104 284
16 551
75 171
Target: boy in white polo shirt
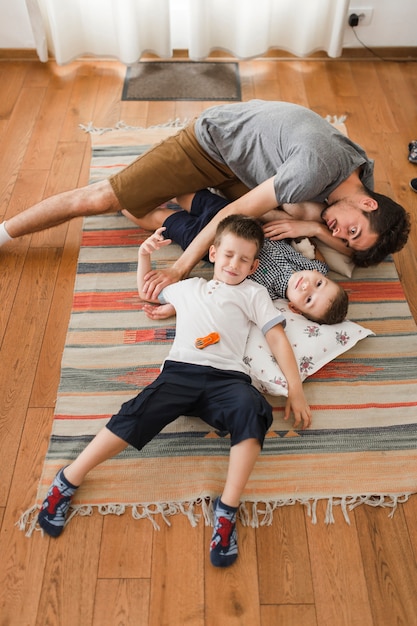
204 375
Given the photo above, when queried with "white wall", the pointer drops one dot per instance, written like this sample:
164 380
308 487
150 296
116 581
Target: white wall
394 23
15 29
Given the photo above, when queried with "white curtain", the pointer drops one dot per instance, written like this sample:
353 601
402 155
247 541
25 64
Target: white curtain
125 29
248 28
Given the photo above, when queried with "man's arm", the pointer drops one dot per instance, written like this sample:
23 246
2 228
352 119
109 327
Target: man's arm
302 219
253 204
284 355
292 229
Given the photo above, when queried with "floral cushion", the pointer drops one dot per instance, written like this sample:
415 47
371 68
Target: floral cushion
314 345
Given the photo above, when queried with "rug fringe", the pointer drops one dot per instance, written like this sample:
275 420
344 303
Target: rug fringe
175 123
95 130
336 119
253 514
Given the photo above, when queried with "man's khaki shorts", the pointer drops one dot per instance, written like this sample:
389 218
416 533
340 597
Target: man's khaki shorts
175 166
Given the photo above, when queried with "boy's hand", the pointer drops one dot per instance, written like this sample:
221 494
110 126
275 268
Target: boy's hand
301 410
154 242
161 312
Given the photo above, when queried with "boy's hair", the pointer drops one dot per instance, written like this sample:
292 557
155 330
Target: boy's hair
391 223
241 226
337 310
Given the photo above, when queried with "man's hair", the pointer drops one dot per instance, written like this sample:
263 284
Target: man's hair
391 222
241 226
337 310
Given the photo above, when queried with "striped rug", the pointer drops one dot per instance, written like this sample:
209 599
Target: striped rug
361 447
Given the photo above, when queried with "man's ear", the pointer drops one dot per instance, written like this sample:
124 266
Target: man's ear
212 253
293 308
254 267
369 204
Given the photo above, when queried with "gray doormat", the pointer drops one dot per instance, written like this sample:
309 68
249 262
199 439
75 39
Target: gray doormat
182 80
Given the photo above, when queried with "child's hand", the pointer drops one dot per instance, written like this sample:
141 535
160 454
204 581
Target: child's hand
161 312
154 242
301 410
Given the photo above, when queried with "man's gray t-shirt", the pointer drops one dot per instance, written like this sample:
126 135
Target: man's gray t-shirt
258 140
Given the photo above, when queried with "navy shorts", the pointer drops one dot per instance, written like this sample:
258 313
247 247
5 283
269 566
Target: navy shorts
182 227
224 399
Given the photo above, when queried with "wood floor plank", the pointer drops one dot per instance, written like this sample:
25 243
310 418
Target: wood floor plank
118 559
16 139
177 587
108 102
19 353
390 573
342 80
13 75
376 106
82 103
285 578
232 594
69 583
161 112
41 148
29 187
410 515
64 175
48 370
287 615
134 113
291 81
122 602
340 591
265 85
23 559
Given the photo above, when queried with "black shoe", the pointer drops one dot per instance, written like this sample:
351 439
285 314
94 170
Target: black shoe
413 184
412 151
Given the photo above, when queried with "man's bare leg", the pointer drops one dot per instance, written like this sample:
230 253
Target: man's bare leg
93 199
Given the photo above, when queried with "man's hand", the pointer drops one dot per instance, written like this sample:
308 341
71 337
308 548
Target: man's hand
290 229
161 312
300 409
156 280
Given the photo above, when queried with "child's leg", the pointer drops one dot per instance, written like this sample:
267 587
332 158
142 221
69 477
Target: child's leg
152 220
58 499
185 201
243 457
223 546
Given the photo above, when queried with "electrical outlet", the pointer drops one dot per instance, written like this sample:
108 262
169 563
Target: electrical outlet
364 14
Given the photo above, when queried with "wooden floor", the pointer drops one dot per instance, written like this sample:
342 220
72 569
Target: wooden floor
115 571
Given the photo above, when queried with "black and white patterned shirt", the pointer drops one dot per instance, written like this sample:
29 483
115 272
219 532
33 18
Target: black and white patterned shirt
277 261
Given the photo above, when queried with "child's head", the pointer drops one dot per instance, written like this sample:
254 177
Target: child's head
317 297
236 247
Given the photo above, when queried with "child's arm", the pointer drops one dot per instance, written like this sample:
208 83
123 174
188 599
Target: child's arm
152 243
284 355
161 312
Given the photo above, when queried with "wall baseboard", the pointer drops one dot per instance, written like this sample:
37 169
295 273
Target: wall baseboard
408 53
